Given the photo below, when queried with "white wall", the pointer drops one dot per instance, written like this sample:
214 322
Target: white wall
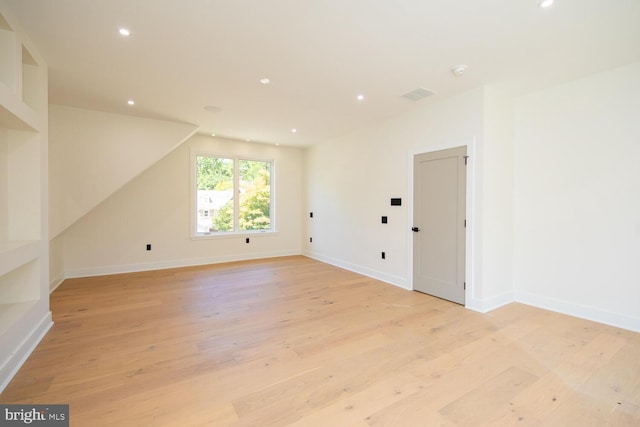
92 154
497 191
349 181
56 263
155 208
577 203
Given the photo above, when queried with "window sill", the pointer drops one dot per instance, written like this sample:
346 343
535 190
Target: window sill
226 235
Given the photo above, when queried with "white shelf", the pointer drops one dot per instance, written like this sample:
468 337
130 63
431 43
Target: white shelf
15 254
11 313
23 97
7 52
14 113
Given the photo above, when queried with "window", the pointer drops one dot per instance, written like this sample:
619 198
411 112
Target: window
217 181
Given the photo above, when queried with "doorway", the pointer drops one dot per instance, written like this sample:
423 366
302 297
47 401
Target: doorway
439 229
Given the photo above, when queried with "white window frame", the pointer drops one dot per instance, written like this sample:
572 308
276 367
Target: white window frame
236 200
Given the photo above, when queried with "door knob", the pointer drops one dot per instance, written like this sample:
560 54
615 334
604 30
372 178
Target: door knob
415 229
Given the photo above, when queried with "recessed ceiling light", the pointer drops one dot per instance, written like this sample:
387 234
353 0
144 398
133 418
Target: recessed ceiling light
213 134
294 130
545 3
124 32
277 144
265 81
360 97
248 140
131 102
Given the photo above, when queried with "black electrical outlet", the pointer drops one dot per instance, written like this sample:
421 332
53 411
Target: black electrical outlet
310 239
148 246
384 219
310 214
384 256
246 240
396 202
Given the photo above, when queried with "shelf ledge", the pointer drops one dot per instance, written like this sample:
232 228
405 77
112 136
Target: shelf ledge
11 313
14 254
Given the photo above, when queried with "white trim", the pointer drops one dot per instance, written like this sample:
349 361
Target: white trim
24 350
55 282
489 304
579 310
235 235
470 255
401 282
474 304
162 265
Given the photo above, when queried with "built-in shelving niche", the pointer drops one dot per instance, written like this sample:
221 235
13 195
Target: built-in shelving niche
20 221
31 84
18 293
7 53
20 185
24 284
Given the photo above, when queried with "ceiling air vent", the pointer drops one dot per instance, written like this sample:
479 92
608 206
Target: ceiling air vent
418 94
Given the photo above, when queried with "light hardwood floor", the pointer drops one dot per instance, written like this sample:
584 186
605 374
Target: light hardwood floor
291 341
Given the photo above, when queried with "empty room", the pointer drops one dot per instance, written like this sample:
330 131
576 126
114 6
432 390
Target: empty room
319 213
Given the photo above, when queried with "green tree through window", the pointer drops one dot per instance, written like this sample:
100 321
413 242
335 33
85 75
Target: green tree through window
255 195
214 173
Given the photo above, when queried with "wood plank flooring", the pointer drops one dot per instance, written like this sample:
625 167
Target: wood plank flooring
294 342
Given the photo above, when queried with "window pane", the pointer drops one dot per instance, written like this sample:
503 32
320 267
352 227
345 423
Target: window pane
214 194
255 195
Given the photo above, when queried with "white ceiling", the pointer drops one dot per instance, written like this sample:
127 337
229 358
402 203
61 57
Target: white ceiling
183 55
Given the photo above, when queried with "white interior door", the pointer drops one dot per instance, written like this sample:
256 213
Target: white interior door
439 224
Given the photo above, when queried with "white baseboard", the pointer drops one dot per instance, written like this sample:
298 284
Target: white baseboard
631 323
379 275
24 350
55 282
489 304
162 265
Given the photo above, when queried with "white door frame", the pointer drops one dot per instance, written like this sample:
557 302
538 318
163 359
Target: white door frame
471 180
